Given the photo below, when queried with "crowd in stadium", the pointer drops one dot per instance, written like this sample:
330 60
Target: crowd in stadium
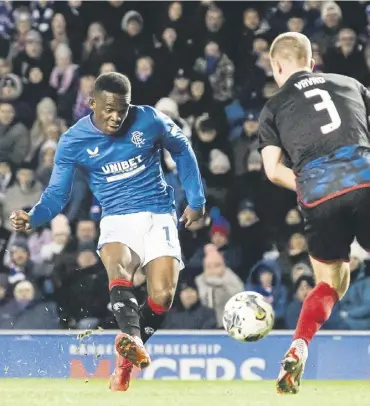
206 65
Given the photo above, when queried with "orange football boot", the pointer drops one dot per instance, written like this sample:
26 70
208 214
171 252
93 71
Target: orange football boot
292 368
132 349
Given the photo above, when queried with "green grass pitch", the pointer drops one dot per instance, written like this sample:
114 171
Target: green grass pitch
49 392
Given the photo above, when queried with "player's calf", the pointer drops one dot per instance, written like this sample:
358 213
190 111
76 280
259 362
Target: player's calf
162 275
152 315
332 282
120 265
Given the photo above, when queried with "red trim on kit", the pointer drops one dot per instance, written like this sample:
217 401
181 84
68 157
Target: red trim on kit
120 282
332 195
157 309
330 261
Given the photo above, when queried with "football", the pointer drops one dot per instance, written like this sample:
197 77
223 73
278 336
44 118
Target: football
248 317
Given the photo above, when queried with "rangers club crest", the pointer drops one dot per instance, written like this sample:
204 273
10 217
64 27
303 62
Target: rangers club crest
137 139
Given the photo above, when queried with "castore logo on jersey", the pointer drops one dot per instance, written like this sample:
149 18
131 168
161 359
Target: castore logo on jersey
94 153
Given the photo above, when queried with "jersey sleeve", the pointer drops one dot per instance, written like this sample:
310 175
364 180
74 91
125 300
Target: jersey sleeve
267 131
182 153
365 93
56 195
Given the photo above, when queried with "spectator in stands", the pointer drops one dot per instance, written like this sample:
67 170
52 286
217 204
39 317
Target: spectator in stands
134 41
253 26
317 56
311 9
81 105
11 89
298 270
83 294
107 67
64 78
214 157
355 306
180 92
46 116
97 48
189 313
296 252
59 32
302 287
197 235
4 284
21 266
219 70
200 99
42 13
326 35
296 24
77 16
265 278
14 136
169 57
4 238
61 232
86 232
23 25
37 239
45 167
215 29
293 224
169 107
7 21
347 57
175 18
219 236
34 66
26 312
217 284
146 89
25 192
246 142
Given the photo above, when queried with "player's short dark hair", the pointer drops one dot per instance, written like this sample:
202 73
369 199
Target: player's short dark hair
113 82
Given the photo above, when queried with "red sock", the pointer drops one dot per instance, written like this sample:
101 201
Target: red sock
120 282
156 308
316 309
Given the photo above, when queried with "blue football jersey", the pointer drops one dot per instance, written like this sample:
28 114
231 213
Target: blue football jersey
125 172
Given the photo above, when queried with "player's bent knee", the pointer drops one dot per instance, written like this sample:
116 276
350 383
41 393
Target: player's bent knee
163 297
336 275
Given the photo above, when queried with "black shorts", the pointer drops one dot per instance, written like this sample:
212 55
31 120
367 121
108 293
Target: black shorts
331 226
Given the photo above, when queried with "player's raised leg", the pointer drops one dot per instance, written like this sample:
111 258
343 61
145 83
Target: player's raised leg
121 263
162 275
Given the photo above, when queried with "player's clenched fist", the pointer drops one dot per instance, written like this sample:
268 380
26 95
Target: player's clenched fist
20 220
190 215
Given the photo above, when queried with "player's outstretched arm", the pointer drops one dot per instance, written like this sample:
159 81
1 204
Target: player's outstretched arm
56 195
182 153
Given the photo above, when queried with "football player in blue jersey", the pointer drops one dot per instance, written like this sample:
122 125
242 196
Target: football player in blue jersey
119 145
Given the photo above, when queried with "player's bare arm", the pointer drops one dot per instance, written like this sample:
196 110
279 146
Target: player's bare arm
275 169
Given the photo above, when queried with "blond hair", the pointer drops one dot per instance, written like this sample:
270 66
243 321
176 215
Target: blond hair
292 46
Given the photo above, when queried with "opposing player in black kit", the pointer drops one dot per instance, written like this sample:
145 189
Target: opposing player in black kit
314 140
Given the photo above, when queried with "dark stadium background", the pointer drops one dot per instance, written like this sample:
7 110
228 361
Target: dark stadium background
206 65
